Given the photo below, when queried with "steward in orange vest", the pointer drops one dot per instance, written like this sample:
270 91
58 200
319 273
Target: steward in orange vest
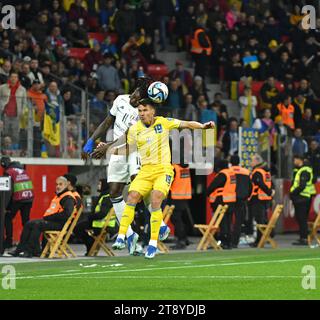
262 193
286 111
243 191
60 209
181 186
181 192
223 191
201 50
72 179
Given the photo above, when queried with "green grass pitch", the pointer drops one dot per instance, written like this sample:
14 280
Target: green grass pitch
237 274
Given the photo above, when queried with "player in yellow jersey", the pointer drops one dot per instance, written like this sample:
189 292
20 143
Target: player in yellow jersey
150 136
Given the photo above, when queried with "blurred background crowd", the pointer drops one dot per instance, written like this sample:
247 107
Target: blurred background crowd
245 63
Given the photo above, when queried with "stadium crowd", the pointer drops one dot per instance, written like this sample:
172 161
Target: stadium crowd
259 48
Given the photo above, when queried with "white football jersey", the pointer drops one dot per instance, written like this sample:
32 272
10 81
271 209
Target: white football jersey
126 115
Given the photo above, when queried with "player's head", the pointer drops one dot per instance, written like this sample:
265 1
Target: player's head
147 110
140 91
5 162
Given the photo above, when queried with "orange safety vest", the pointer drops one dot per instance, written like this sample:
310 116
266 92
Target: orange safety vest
195 44
77 195
228 191
256 191
287 114
240 170
181 186
55 206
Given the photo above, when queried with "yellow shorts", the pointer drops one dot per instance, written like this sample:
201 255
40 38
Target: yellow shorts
153 177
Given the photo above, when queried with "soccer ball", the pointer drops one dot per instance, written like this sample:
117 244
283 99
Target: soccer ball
158 92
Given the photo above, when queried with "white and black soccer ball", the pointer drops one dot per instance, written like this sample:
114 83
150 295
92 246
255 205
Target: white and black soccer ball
158 92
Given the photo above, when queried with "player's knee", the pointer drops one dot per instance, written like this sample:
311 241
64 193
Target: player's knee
115 191
156 199
133 198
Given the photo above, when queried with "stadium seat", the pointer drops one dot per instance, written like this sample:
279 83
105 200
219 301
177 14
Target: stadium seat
209 230
167 213
314 227
78 53
58 240
157 71
266 229
100 240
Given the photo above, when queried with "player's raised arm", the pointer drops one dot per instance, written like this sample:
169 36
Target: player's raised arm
99 132
196 125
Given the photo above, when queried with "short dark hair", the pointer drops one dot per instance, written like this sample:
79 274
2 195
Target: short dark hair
298 156
147 101
71 178
235 160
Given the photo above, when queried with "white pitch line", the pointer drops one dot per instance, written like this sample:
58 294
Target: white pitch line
58 275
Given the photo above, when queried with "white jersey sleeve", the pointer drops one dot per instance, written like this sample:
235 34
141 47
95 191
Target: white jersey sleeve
125 115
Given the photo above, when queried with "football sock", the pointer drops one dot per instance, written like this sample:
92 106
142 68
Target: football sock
119 205
127 218
155 222
162 222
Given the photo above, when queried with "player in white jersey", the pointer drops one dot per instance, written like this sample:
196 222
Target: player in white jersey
123 114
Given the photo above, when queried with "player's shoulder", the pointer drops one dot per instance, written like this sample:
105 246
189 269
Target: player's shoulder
123 100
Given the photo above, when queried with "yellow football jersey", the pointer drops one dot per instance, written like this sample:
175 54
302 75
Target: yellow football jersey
153 142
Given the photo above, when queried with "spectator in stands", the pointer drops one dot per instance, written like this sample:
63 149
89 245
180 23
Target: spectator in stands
56 38
107 11
309 126
191 113
198 88
39 27
38 100
5 70
207 114
24 75
299 145
8 148
146 18
108 77
265 67
69 107
284 68
313 155
148 52
93 58
125 22
35 73
133 54
230 139
234 70
107 46
269 94
184 75
77 36
78 13
175 98
5 52
305 90
248 104
12 101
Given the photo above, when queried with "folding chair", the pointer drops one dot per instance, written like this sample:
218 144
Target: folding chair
167 213
100 240
58 240
209 230
314 227
266 229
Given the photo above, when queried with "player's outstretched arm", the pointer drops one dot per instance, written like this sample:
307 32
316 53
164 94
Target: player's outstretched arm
196 125
99 132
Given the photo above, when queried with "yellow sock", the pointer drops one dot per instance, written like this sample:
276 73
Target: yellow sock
155 222
127 218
